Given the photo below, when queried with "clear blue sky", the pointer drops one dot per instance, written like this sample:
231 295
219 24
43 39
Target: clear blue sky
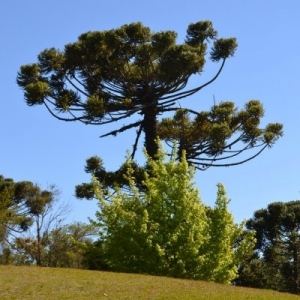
39 148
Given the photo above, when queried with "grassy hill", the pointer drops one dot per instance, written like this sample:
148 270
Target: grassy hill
49 283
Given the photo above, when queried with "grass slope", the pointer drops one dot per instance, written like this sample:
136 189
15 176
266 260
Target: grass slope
49 283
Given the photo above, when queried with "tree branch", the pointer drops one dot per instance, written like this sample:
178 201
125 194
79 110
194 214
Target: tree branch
124 128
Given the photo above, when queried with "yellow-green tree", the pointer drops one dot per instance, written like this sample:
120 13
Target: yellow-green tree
229 244
166 229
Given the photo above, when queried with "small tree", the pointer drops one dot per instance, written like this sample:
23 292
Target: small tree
50 218
20 202
67 245
32 245
166 229
257 273
27 251
62 246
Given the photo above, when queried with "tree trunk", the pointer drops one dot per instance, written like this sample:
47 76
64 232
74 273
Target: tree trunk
150 130
295 268
39 253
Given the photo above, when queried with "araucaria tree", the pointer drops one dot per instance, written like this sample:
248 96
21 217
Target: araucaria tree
166 229
20 203
278 242
131 73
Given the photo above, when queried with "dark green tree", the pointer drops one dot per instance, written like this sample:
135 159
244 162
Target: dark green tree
131 73
277 247
255 272
20 202
93 256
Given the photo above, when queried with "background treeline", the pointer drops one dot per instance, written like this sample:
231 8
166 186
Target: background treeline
163 228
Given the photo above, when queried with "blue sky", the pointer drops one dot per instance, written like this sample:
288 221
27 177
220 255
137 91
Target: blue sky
39 148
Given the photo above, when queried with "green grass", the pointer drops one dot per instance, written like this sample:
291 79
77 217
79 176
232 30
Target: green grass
49 283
